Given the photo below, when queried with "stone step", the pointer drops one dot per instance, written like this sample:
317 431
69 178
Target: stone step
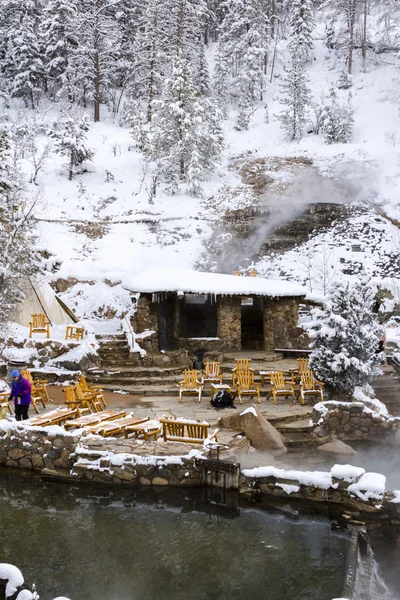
141 390
123 353
300 439
114 364
145 381
278 420
254 355
135 371
299 426
110 336
116 350
389 382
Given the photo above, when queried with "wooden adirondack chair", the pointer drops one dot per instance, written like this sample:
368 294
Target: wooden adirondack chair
246 385
302 365
309 386
91 389
185 430
5 405
74 333
190 384
39 324
212 373
242 364
281 387
39 388
94 399
72 401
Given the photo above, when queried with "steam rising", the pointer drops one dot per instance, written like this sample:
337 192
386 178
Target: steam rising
348 184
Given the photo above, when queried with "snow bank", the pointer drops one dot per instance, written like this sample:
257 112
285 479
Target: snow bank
371 486
14 577
347 472
249 410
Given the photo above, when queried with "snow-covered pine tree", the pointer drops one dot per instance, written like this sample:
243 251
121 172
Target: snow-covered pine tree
337 119
152 56
59 40
297 98
345 336
17 254
70 137
244 42
97 53
220 80
201 74
301 24
185 133
21 62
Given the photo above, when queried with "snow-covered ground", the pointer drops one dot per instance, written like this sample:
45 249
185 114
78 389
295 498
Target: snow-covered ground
101 227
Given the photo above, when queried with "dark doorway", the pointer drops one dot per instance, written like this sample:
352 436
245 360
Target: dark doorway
253 323
198 316
166 321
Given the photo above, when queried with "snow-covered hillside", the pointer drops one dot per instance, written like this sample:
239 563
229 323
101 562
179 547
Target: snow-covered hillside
105 223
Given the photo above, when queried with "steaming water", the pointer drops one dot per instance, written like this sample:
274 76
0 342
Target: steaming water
369 582
373 457
125 545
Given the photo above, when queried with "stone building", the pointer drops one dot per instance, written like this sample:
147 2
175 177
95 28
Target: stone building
184 309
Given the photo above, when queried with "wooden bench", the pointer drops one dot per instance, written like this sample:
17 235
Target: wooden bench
185 430
148 429
94 419
39 324
53 417
73 332
293 351
116 426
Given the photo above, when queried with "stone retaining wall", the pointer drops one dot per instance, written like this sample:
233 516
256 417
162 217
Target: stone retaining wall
61 455
353 421
378 516
36 448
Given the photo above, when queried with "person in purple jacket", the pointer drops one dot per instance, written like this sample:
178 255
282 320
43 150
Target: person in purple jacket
21 392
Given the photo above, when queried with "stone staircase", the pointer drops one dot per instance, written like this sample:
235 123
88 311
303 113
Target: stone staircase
118 372
387 390
295 431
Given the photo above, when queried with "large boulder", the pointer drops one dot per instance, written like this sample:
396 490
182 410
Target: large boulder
337 447
262 435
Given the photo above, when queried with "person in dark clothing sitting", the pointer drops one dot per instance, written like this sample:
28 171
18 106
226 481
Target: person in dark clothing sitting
21 392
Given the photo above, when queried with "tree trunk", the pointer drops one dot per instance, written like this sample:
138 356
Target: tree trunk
351 20
364 42
96 97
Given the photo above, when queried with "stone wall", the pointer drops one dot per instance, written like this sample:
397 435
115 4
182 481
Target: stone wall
353 421
145 319
36 448
281 323
229 322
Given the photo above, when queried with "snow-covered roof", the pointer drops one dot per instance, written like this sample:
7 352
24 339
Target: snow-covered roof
169 279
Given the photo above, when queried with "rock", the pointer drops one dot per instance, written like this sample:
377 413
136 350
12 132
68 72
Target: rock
160 360
337 447
262 435
62 285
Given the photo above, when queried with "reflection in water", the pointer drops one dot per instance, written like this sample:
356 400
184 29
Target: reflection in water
118 546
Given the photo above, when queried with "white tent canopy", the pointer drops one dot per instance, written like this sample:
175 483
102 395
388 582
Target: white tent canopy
39 298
